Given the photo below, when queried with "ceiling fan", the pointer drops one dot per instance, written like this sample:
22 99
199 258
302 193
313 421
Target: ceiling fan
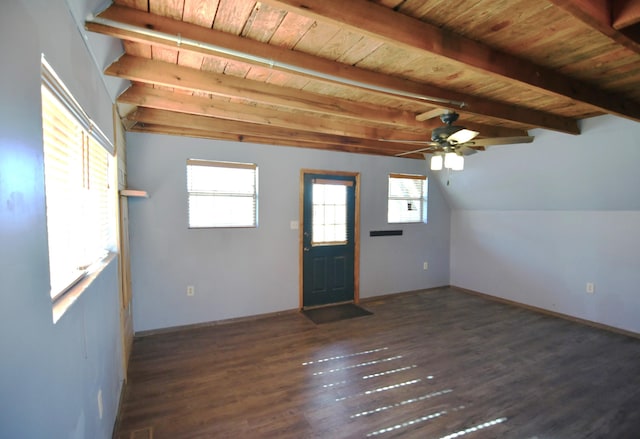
450 143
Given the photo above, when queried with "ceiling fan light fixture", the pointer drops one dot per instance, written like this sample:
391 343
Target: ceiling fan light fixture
449 159
458 163
453 161
441 134
436 163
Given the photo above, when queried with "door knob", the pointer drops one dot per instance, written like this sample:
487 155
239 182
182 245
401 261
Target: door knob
306 249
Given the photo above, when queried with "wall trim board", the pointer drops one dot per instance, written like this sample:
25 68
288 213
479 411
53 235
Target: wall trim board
118 420
172 329
548 312
365 300
400 294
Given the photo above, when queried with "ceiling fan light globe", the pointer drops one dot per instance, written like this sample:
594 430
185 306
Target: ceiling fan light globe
436 162
449 159
458 163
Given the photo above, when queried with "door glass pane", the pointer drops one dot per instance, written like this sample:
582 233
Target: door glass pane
329 214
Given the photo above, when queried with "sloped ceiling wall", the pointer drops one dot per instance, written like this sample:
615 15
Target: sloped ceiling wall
597 170
535 224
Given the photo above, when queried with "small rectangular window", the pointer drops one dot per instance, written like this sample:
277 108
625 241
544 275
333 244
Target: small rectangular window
407 201
222 194
80 201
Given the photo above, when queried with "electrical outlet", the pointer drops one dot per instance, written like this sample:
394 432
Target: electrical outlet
591 288
425 266
100 408
191 290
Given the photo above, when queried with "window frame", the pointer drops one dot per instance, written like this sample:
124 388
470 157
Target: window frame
422 200
80 137
215 192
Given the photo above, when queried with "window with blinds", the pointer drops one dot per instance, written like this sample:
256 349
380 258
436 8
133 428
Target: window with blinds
407 199
80 202
222 194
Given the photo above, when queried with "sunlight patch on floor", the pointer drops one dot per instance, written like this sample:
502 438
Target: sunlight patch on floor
388 372
407 423
384 389
340 357
353 366
474 428
401 403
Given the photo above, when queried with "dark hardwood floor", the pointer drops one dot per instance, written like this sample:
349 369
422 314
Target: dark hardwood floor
436 364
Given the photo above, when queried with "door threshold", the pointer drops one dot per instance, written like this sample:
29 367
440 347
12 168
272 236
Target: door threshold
304 308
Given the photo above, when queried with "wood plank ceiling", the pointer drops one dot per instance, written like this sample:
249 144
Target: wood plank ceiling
352 75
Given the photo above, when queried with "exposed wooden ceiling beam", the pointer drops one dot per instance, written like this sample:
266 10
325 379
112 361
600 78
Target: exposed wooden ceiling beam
598 15
215 125
213 38
168 122
204 106
216 135
261 115
625 13
381 22
433 120
185 78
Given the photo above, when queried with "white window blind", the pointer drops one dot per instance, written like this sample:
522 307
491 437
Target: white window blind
222 194
79 200
407 198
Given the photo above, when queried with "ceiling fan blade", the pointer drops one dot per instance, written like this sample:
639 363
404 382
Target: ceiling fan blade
436 112
416 151
501 141
466 150
461 136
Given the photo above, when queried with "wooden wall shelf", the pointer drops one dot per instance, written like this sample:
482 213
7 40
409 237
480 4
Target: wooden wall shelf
134 193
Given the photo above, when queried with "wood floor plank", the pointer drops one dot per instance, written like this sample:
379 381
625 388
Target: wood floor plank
438 363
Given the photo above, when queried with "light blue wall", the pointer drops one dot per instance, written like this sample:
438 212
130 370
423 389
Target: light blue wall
596 170
242 272
534 223
49 374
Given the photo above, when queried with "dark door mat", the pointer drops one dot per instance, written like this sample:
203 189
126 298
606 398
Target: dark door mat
335 313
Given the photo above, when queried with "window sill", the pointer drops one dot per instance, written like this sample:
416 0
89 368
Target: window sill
64 302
